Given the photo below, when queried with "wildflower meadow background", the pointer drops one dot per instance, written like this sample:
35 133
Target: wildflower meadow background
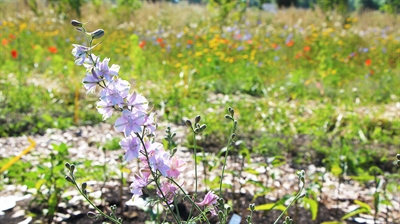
314 89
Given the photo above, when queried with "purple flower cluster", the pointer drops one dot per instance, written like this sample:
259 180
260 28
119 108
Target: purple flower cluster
135 122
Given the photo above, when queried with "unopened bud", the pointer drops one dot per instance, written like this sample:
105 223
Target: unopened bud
252 206
197 119
97 34
92 215
76 23
398 162
231 111
72 168
233 136
229 117
203 127
68 178
84 185
188 123
398 156
67 165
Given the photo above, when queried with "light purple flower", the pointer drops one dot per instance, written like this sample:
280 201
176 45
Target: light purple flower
150 123
138 184
130 121
169 191
132 145
160 160
79 53
115 92
91 80
105 108
138 101
105 72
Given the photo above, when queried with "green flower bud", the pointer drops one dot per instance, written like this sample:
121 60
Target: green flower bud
252 206
97 34
229 117
72 168
398 156
84 185
67 165
188 123
197 119
76 23
68 178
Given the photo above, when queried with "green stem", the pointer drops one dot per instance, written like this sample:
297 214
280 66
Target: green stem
190 199
91 203
225 160
295 199
156 179
195 170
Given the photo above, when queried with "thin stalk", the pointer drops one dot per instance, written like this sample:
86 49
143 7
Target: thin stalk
195 171
91 203
191 201
226 157
156 179
295 199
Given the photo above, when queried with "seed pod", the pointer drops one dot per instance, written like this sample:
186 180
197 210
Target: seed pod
188 123
197 119
97 34
76 23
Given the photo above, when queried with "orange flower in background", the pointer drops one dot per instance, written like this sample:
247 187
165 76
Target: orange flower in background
298 55
190 42
368 62
12 36
160 40
14 53
290 43
307 48
142 44
4 41
52 49
274 45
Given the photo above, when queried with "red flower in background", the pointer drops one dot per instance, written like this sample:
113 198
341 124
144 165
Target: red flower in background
14 53
307 48
368 62
290 43
53 50
12 36
190 42
142 44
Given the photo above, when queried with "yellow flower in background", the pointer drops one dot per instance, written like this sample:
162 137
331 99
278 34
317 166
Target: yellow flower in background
177 65
22 27
347 26
209 59
180 55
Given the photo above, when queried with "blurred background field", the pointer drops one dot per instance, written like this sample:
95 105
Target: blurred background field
318 86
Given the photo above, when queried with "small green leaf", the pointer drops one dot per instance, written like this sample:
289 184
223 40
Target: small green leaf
313 207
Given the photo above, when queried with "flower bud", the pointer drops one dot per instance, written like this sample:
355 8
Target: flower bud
68 178
197 119
252 206
76 23
229 117
203 127
84 185
97 34
67 165
398 162
188 123
398 156
72 168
